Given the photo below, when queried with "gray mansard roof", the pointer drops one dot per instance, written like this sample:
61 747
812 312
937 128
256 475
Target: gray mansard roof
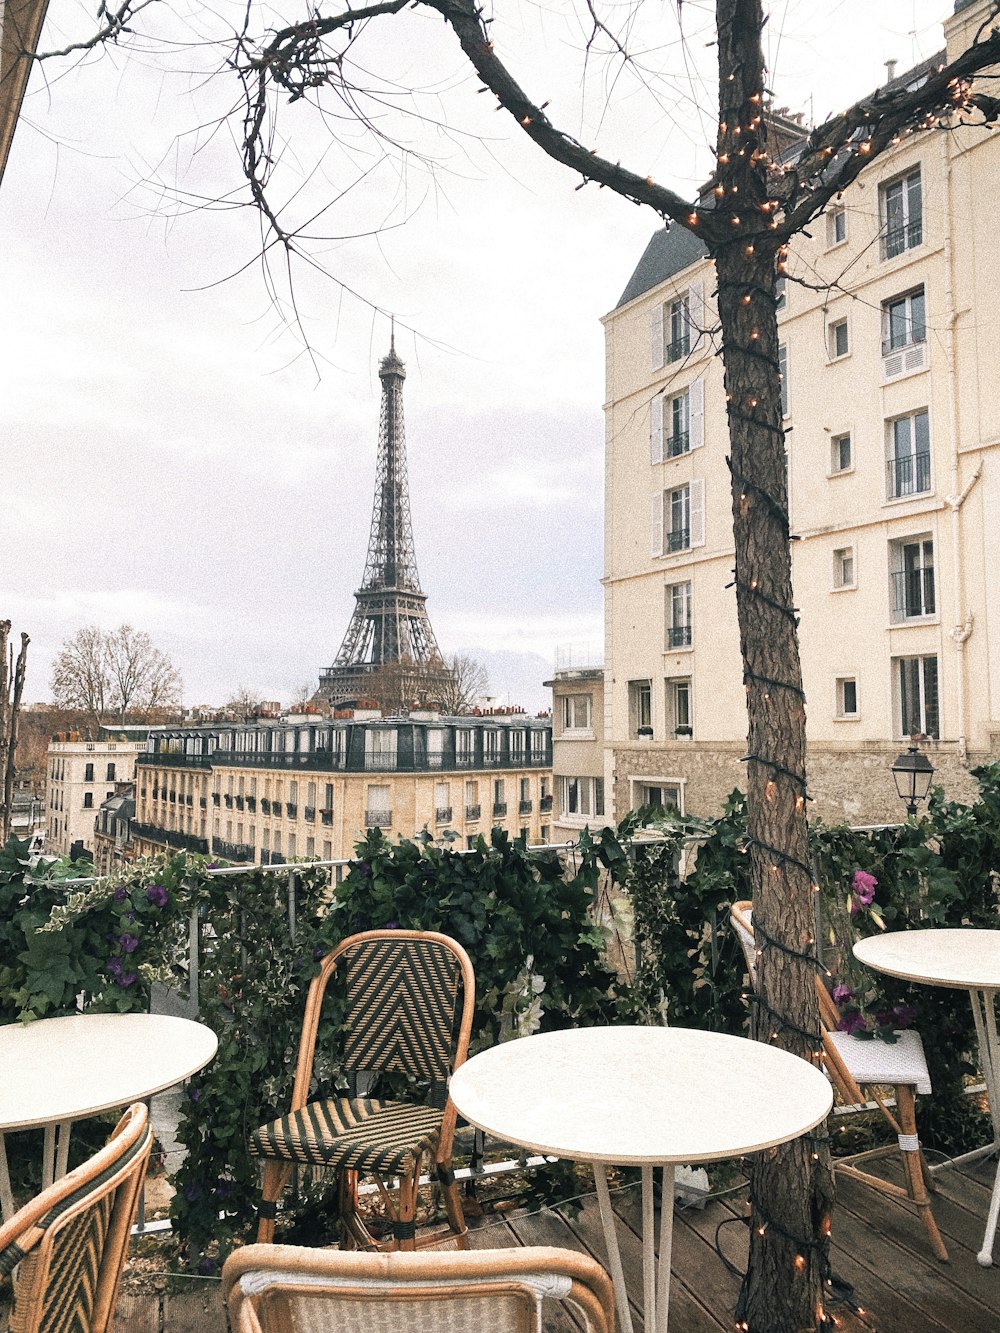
666 254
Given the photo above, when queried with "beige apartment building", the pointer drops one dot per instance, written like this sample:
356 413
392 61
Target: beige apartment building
309 787
80 776
892 407
577 689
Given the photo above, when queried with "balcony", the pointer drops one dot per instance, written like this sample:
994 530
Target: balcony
912 593
326 816
265 806
310 813
524 807
239 802
291 809
908 475
383 762
233 851
228 800
677 539
251 803
680 443
679 347
473 811
215 798
183 842
378 819
442 815
679 636
545 804
499 809
898 239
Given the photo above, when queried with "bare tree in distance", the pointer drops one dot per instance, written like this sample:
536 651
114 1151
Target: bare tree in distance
244 703
469 682
109 674
12 674
750 212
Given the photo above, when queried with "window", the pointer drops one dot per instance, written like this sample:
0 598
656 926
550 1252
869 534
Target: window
908 471
902 219
841 457
904 335
836 226
88 772
911 578
581 798
465 746
679 518
378 808
916 686
677 422
576 712
678 610
499 798
660 795
843 567
675 326
847 697
491 746
472 799
442 802
640 707
88 800
111 773
380 748
783 375
679 711
837 338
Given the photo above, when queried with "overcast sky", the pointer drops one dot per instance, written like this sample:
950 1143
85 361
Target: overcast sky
172 457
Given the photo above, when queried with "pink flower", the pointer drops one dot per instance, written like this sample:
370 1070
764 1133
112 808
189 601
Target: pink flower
841 994
851 1022
863 887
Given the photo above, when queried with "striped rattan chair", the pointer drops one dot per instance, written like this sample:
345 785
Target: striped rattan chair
287 1289
68 1244
402 1018
853 1064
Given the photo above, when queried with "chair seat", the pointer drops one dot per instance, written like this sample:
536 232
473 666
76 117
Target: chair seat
874 1061
350 1133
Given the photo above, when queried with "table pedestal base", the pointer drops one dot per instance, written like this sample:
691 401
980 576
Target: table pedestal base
655 1277
984 1014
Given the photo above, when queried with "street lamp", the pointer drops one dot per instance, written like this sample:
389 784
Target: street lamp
912 773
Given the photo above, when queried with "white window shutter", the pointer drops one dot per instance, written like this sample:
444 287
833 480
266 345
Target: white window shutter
696 410
656 429
696 314
656 336
657 524
697 493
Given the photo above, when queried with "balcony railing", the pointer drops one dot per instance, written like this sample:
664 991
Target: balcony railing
239 803
678 539
378 819
545 804
326 816
385 761
233 851
908 475
679 347
898 239
679 636
680 443
329 761
251 803
473 811
524 807
185 842
912 593
499 809
291 809
216 798
228 800
265 806
310 813
442 815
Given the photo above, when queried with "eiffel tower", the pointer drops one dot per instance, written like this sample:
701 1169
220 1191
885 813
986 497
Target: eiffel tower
389 654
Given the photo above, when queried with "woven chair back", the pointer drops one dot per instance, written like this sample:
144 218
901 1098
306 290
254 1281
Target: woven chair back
285 1289
401 1001
69 1243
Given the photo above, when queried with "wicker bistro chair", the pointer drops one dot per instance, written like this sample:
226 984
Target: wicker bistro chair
68 1244
853 1064
402 1004
288 1289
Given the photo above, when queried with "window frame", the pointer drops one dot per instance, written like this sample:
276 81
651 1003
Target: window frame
842 554
928 696
912 456
909 234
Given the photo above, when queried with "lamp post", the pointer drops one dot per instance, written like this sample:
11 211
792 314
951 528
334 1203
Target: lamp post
912 773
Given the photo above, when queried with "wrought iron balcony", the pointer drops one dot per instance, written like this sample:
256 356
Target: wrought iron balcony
679 636
265 806
908 475
310 813
912 593
442 815
251 803
679 443
170 838
239 803
524 807
499 809
897 239
473 811
679 347
545 804
326 816
678 539
378 819
228 800
216 798
291 809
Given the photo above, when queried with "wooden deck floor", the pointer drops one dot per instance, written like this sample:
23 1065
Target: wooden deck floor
879 1247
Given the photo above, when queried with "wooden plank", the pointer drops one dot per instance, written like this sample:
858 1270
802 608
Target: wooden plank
547 1228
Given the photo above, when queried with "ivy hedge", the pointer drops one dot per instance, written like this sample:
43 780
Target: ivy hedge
528 920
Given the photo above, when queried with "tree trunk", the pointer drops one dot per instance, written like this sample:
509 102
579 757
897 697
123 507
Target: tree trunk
791 1186
11 690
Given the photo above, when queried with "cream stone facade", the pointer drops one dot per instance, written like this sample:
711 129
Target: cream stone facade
80 775
310 788
891 376
577 751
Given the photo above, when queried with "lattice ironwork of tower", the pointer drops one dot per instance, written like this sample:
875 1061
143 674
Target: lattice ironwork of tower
389 652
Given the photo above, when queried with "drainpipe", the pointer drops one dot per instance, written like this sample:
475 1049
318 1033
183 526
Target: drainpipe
956 498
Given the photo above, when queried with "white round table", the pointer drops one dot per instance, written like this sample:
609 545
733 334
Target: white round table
962 958
57 1070
641 1096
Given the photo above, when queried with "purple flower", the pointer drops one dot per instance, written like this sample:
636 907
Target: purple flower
851 1022
128 942
119 974
392 925
157 895
120 894
195 1094
904 1014
318 952
841 994
863 887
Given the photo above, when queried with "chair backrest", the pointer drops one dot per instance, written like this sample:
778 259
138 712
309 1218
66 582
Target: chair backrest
741 919
289 1289
402 1000
69 1243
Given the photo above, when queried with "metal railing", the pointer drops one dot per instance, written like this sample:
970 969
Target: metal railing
679 636
678 443
378 819
678 347
678 539
442 815
909 474
473 811
499 809
897 239
912 593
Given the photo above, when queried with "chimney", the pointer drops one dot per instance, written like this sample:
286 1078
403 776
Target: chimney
890 70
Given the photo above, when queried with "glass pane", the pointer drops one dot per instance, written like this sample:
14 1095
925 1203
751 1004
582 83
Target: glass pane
918 318
930 726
